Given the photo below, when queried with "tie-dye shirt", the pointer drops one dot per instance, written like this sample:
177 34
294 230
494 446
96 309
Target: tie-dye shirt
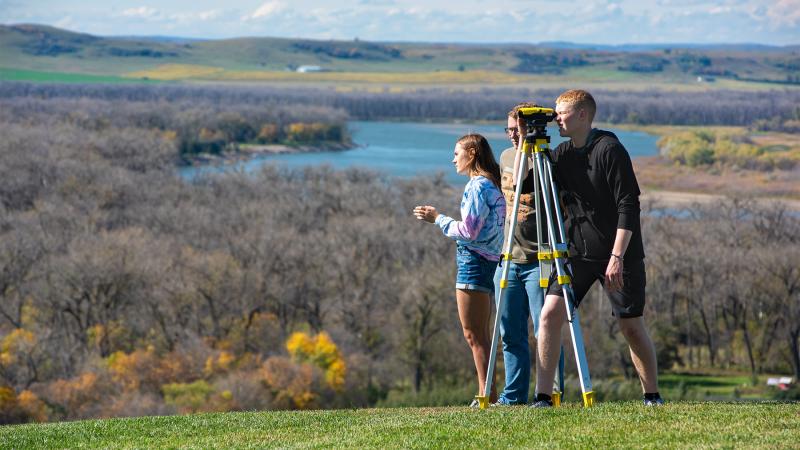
483 212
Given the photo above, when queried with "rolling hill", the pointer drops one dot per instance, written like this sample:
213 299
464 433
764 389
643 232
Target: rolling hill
27 51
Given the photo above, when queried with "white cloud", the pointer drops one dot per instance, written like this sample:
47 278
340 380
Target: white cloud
208 15
720 10
143 12
784 13
267 9
191 17
65 22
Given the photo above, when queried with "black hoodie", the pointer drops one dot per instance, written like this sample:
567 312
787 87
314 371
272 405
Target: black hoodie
599 193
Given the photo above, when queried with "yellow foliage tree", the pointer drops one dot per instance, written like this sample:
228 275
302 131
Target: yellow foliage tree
321 351
129 369
145 369
206 134
222 363
18 342
309 132
105 337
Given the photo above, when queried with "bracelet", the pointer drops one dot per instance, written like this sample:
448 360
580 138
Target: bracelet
619 257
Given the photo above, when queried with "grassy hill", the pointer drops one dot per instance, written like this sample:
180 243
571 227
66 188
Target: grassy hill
607 425
34 51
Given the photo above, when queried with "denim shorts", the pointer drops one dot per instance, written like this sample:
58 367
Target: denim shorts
474 272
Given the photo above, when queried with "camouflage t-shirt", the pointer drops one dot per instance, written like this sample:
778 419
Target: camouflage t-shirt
524 249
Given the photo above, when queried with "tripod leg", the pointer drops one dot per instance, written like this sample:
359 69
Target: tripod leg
561 372
558 391
483 400
580 358
554 219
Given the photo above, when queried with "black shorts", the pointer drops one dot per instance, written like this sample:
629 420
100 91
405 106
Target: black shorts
627 303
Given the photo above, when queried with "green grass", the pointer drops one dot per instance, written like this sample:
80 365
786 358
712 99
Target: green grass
36 76
607 425
710 385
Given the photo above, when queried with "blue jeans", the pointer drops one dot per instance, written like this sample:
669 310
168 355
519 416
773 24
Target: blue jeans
523 297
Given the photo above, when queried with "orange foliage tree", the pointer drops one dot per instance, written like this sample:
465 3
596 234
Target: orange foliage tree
23 407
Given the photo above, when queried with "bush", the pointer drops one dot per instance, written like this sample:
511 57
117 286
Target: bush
83 396
187 397
10 410
791 394
705 147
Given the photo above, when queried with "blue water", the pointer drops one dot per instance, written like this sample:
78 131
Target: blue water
410 149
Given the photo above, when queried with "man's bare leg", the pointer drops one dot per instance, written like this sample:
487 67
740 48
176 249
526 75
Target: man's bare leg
554 314
643 352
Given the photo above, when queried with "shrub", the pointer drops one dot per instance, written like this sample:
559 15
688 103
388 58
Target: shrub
83 396
706 147
10 409
187 397
247 390
291 385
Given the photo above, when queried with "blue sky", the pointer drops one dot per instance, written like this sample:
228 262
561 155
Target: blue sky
586 21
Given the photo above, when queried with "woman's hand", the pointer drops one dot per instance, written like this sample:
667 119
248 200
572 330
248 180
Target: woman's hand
426 213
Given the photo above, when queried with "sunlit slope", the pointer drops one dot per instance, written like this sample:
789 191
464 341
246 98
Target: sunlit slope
29 49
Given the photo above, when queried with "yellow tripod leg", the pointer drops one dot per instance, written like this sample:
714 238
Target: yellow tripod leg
588 399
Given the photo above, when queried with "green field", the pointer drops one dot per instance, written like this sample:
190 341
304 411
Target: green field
607 425
7 74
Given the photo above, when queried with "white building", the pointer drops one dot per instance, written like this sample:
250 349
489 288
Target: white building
305 69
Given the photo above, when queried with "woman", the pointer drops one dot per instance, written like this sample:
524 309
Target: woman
479 239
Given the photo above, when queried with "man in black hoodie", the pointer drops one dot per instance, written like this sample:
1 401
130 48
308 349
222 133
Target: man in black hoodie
600 197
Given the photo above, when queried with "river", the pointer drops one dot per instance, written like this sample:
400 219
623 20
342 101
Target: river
406 149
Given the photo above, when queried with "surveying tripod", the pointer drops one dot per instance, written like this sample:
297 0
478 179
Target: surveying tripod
552 252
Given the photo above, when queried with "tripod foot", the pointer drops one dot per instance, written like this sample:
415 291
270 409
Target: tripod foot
588 399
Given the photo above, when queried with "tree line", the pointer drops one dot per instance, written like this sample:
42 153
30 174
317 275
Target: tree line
193 126
653 106
127 290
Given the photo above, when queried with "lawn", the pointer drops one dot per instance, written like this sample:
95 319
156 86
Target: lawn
717 386
607 425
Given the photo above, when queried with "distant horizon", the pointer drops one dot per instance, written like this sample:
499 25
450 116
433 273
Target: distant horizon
560 43
599 22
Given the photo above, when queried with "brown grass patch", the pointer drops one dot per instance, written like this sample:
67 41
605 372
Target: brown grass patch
658 173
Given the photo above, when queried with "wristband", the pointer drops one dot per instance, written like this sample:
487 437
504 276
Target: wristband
619 257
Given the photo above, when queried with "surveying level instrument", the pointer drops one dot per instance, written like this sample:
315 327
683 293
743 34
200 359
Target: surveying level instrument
552 251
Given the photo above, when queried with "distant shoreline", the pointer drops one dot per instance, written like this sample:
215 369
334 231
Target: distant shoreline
246 152
677 199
